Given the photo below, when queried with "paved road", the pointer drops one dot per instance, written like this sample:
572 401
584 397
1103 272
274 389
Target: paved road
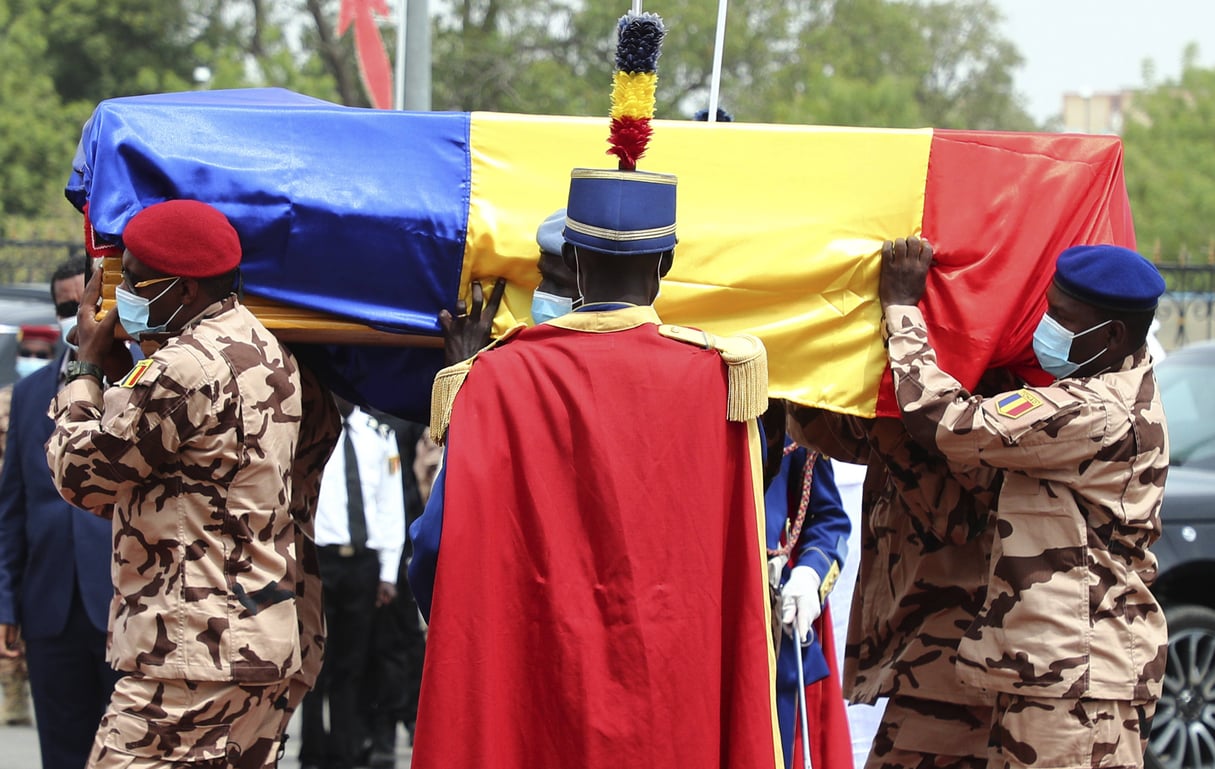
19 748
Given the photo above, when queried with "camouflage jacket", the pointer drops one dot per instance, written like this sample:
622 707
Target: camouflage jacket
319 432
191 456
1068 612
924 550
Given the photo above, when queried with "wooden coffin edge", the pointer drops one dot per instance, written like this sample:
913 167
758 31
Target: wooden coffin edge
289 324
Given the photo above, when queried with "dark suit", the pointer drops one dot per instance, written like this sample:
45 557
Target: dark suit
54 582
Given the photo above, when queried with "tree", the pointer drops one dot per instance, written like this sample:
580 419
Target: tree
1169 166
863 62
98 49
35 130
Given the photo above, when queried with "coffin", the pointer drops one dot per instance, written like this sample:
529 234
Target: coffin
359 225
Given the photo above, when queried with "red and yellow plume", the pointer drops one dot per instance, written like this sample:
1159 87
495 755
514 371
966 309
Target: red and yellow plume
633 85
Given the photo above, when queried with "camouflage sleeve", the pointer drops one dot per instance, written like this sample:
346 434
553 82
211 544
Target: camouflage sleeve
1028 429
841 437
948 503
105 440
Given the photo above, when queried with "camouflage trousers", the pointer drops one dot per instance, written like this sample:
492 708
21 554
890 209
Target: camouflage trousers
15 685
1059 733
930 734
197 725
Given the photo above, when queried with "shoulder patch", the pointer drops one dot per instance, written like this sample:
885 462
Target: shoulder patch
1017 404
137 373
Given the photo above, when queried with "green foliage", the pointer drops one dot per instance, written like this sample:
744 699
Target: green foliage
104 48
1169 166
35 133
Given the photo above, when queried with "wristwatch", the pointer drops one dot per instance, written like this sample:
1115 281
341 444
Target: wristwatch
79 368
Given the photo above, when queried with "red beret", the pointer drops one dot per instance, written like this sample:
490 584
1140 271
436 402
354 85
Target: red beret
183 237
45 333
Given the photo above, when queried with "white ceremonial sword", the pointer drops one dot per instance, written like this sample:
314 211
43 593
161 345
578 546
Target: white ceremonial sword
801 697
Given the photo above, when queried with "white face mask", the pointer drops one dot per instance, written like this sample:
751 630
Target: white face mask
66 325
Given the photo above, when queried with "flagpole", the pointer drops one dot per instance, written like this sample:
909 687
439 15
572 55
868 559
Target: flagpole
718 45
399 76
637 6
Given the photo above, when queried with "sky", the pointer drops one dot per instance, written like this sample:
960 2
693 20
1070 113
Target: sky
1100 45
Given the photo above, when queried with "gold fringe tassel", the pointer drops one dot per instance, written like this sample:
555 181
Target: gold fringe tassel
442 396
747 365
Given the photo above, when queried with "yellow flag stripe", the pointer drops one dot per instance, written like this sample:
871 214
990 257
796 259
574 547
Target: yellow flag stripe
779 229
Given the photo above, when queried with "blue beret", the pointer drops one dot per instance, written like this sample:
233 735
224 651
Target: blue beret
548 235
1110 277
621 212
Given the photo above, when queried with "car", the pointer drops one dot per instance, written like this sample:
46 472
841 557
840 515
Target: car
21 304
1183 731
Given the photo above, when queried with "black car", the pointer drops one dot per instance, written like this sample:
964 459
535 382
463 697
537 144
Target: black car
1183 731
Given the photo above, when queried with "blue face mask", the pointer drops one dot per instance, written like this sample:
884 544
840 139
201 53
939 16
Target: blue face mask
546 306
134 310
27 365
1053 346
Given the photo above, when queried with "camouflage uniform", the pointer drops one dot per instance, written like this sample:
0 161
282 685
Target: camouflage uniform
1069 633
14 677
923 574
191 454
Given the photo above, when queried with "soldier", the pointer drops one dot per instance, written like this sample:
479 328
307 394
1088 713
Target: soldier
922 577
192 454
1069 637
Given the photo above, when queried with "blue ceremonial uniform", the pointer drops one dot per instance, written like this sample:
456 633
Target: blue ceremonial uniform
54 582
823 546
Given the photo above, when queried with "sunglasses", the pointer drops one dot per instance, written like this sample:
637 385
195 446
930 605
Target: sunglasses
67 309
129 286
44 354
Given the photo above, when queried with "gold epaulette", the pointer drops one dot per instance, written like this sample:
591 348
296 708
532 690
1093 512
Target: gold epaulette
448 382
747 368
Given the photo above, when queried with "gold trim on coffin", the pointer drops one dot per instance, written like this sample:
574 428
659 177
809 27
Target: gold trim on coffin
290 324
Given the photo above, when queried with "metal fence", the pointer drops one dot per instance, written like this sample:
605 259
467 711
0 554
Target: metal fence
1187 310
1186 314
33 261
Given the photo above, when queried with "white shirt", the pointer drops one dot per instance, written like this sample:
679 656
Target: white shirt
375 446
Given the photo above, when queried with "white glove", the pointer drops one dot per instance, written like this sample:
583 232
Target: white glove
799 600
776 567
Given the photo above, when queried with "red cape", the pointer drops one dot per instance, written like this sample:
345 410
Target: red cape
600 597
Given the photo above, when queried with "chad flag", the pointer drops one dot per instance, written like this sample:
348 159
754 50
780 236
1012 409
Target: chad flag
380 219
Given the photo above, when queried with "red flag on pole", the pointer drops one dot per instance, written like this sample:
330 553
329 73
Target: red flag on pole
374 69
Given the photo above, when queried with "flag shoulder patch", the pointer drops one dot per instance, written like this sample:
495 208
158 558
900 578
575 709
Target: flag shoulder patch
135 374
1018 403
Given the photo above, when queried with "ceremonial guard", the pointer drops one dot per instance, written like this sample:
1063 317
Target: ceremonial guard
600 597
